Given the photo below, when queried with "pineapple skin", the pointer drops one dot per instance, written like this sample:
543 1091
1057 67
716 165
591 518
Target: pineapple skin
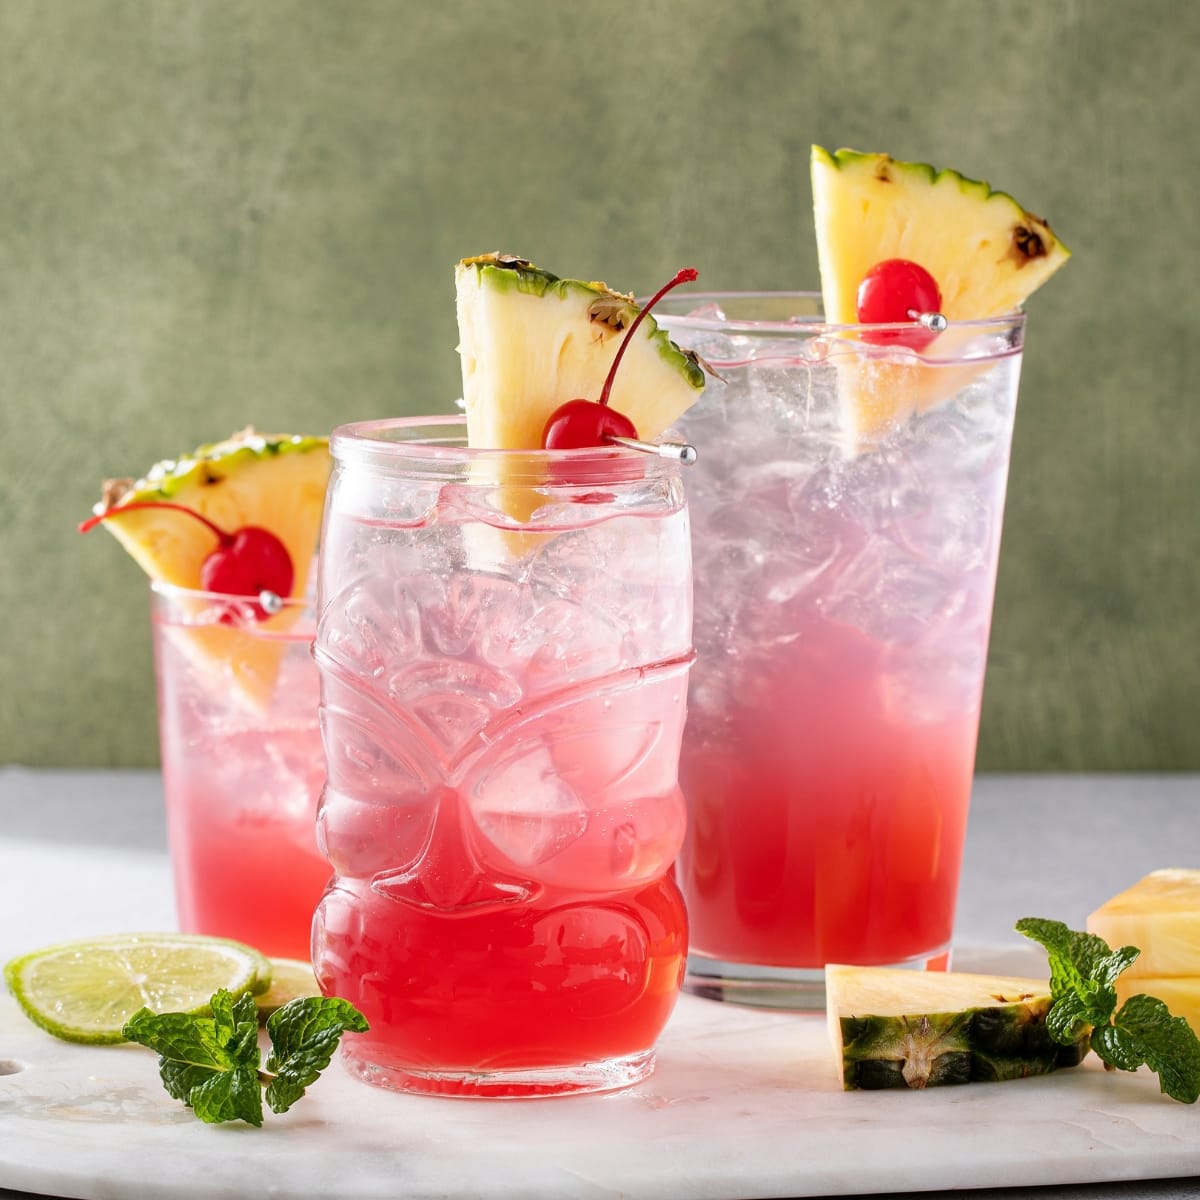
895 1028
211 462
938 1049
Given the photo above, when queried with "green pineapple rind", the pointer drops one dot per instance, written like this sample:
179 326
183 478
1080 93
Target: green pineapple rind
977 189
209 463
992 1043
507 272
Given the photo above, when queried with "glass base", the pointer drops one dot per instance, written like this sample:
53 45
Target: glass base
512 1084
796 989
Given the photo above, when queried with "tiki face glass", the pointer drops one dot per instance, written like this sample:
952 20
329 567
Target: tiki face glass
503 640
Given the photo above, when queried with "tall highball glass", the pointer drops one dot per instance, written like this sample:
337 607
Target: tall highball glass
847 508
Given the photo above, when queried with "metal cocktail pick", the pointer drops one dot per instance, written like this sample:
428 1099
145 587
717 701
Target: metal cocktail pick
681 452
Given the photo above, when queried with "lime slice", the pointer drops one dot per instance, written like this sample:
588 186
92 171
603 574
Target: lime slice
291 978
85 991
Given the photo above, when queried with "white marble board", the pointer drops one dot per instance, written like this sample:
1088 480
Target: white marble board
743 1104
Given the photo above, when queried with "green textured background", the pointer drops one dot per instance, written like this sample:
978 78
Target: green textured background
219 212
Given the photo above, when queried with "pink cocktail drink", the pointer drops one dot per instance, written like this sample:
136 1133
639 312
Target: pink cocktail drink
844 589
852 852
242 766
504 641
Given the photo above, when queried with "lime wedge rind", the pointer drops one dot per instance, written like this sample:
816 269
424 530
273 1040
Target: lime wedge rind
85 991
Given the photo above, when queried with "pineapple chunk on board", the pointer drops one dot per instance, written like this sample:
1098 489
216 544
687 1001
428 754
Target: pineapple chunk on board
1160 914
895 1028
1180 993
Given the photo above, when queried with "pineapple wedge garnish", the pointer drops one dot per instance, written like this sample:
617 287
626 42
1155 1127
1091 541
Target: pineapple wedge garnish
985 251
274 481
530 341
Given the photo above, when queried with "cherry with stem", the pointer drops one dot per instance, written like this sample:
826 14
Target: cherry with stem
580 423
895 291
247 562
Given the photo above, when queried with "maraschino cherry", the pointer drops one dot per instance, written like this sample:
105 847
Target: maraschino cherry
247 562
894 292
581 423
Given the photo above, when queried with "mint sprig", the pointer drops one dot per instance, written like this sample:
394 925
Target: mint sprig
213 1063
1083 971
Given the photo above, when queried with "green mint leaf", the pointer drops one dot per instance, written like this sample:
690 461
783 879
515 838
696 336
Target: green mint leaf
211 1062
1115 1047
304 1035
208 1062
1077 958
291 1026
1082 967
1110 967
1067 1018
180 1037
180 1078
245 1010
1083 970
1166 1044
223 1021
229 1096
302 1069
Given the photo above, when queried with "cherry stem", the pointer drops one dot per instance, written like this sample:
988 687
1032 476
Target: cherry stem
687 275
224 538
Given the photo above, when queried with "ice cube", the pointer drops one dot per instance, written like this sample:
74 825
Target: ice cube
891 596
526 809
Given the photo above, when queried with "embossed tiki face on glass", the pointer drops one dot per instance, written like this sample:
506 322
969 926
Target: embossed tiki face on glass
504 640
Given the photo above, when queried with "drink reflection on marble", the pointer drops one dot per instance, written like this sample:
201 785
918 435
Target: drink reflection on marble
242 766
845 568
504 640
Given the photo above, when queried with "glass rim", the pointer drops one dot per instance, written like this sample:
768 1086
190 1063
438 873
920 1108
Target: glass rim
667 313
444 454
177 591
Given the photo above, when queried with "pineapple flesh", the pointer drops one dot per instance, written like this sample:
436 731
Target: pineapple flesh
1180 993
530 341
986 252
274 481
1160 914
895 1028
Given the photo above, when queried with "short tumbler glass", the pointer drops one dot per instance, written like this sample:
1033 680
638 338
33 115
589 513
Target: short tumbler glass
847 507
504 641
242 765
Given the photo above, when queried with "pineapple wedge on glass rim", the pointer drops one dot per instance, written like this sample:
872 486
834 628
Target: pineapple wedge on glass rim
530 341
275 481
987 253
